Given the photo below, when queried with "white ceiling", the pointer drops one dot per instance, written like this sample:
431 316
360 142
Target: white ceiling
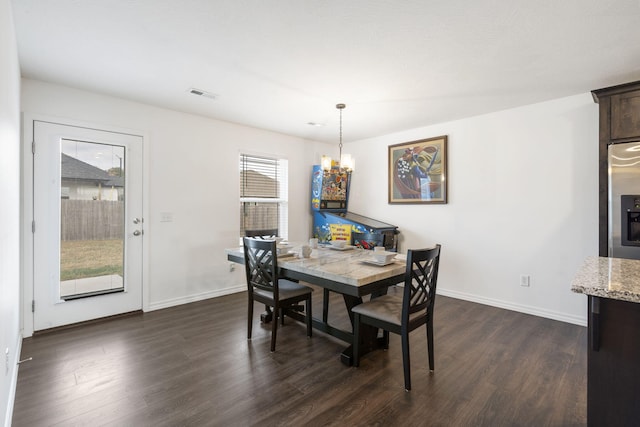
279 64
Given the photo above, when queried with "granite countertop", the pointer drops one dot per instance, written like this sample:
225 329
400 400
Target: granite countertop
613 278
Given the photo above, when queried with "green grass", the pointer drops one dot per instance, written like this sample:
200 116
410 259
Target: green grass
90 258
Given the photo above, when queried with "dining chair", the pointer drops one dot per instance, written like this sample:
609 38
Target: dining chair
265 234
268 233
366 241
403 314
264 285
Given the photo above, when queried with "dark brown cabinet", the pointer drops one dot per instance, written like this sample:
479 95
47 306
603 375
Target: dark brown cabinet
613 367
613 363
619 117
625 115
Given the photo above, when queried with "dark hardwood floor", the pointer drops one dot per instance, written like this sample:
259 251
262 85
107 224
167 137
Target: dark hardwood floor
192 365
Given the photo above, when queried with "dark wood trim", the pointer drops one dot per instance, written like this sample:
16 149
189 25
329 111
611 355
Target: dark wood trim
341 288
606 92
603 177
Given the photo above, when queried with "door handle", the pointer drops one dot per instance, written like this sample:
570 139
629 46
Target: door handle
137 232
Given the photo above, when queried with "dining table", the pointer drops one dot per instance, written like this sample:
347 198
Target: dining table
349 271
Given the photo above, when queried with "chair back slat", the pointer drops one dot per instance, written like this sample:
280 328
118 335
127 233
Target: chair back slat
420 282
261 264
269 233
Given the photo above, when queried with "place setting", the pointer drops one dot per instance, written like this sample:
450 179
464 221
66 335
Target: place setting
283 248
340 245
379 257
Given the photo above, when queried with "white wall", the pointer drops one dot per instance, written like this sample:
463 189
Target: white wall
522 196
523 199
192 173
10 338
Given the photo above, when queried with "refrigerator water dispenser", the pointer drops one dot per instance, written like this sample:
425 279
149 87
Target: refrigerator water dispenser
630 211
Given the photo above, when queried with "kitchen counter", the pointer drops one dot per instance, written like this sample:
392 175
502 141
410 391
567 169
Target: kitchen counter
613 278
612 286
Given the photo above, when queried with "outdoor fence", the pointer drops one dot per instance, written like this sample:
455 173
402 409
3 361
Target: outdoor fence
258 216
91 219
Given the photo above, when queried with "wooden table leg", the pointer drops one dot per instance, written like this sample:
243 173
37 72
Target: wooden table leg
267 315
369 339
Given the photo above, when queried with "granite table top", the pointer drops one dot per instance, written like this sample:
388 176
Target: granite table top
613 278
345 266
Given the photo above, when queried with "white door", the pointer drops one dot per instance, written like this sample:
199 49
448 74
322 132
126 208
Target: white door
88 224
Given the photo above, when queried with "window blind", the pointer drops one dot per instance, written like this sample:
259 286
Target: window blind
263 194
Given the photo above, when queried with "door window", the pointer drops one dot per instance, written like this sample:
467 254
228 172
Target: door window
91 218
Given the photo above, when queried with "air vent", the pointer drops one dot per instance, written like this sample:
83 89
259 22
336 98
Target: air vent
200 92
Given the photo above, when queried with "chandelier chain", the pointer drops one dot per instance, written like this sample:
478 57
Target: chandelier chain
340 107
340 135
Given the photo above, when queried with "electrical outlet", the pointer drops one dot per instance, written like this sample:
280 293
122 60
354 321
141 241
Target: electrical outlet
525 280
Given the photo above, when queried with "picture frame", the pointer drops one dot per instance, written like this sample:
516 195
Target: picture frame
418 171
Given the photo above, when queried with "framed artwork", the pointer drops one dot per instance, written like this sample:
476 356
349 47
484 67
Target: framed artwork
418 171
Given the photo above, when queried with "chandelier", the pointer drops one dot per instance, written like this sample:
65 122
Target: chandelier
346 163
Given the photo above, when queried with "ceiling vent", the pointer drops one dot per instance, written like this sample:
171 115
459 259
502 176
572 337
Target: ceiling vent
200 92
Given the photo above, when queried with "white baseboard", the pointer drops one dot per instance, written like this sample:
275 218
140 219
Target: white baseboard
14 382
197 297
536 311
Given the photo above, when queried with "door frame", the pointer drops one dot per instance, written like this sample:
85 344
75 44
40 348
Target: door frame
27 206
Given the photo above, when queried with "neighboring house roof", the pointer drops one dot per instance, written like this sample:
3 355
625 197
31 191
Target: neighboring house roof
115 181
73 168
255 184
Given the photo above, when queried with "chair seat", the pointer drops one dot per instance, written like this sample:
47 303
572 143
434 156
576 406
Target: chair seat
287 290
401 315
387 308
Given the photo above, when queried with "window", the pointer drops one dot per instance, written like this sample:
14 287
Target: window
263 194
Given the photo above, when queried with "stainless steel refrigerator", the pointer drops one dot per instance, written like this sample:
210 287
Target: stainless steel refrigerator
624 200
